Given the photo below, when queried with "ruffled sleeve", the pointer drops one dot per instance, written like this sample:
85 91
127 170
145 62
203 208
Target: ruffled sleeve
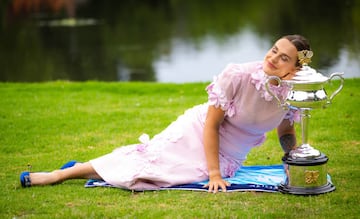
293 115
221 91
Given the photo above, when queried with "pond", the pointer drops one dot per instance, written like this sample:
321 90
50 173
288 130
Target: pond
167 40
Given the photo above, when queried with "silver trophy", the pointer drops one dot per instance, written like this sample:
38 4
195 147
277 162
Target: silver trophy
305 166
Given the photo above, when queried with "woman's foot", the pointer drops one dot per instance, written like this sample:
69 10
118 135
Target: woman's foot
28 179
77 171
25 179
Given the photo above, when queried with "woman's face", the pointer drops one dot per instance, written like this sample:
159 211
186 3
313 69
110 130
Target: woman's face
281 59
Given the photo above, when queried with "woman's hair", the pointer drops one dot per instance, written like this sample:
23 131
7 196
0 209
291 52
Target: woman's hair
300 42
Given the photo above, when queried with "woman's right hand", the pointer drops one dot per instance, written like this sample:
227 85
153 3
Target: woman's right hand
215 116
215 183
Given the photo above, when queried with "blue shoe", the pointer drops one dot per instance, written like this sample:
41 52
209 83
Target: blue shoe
25 179
68 164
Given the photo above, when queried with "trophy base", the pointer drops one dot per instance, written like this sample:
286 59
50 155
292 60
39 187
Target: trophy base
329 187
306 176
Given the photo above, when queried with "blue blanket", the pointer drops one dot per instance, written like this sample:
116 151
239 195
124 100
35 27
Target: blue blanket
247 178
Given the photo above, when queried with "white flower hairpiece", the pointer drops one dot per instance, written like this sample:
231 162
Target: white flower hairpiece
304 56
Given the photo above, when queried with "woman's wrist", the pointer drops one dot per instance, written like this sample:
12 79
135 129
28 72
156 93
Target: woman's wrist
214 173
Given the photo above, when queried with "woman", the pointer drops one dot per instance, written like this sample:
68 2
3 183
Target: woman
209 141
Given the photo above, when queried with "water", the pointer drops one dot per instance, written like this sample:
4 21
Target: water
167 41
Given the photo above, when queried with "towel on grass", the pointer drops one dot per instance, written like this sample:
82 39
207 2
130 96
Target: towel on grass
247 178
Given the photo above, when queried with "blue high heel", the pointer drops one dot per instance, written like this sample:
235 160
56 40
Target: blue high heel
25 179
68 164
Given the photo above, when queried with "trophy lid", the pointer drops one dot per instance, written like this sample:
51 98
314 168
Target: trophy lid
308 75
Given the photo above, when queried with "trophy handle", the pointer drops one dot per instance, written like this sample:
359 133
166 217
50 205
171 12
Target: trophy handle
339 88
267 87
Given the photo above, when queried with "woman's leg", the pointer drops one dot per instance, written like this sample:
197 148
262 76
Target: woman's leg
78 171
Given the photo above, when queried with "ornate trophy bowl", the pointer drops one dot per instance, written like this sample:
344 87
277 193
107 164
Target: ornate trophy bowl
305 167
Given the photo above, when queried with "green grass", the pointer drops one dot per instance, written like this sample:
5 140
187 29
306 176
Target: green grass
48 124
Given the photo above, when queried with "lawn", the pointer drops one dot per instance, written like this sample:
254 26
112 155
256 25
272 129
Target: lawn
46 124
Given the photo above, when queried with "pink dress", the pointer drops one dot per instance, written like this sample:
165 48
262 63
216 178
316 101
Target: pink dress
176 155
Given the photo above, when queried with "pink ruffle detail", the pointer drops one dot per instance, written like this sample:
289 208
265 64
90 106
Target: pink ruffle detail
258 79
144 139
217 98
293 115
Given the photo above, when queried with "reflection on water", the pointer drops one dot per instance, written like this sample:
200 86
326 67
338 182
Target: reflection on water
187 63
167 40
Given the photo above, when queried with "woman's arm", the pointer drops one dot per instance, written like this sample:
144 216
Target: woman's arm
215 116
287 136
